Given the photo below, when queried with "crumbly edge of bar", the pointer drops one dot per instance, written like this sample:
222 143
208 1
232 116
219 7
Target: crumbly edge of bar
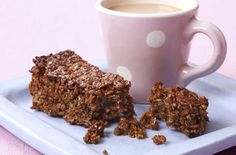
149 121
180 108
130 127
159 139
94 133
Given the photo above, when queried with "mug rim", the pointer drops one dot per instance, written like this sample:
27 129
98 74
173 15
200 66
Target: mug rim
99 7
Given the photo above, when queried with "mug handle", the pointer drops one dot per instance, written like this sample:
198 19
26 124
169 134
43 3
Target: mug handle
188 73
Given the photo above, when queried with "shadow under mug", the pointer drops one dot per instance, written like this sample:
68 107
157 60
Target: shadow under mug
146 48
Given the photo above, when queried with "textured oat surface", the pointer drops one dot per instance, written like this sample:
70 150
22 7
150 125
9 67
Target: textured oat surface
94 133
130 127
181 108
159 139
149 121
65 85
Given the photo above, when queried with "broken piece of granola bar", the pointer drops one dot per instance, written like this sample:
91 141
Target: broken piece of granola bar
159 139
95 133
156 100
181 109
149 121
130 127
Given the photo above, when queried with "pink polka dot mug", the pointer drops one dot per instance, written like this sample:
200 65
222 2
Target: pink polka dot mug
149 40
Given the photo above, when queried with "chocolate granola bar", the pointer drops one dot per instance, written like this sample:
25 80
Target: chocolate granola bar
149 121
65 85
159 139
181 108
94 133
130 127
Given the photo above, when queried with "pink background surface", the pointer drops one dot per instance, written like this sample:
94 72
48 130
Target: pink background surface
35 27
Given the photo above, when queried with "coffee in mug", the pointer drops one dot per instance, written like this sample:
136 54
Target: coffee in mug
144 8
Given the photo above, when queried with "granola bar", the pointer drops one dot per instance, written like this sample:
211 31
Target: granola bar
156 100
181 109
65 85
130 127
94 133
159 139
149 121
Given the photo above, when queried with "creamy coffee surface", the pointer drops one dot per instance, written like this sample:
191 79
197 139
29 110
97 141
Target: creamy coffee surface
144 8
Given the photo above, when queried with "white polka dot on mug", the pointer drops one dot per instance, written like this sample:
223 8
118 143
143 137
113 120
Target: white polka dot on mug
155 39
124 72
